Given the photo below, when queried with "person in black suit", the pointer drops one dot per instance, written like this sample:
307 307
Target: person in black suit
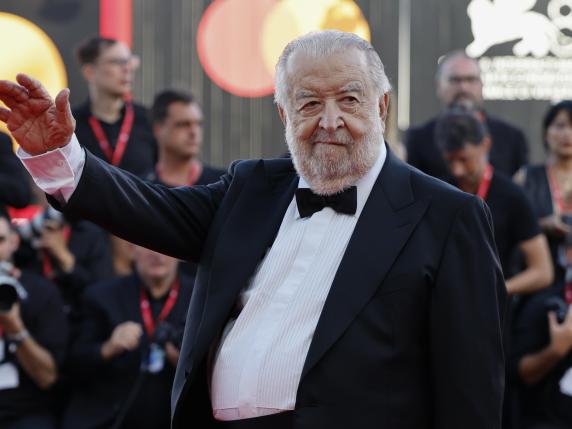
340 288
124 359
15 189
458 81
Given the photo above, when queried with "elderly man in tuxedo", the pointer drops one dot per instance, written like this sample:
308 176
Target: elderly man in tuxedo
340 288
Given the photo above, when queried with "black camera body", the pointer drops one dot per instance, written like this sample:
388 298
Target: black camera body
167 333
558 306
31 230
11 290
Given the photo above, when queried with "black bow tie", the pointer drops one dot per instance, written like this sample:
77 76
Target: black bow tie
309 203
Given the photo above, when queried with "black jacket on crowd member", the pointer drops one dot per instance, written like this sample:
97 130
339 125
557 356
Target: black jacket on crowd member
141 152
509 151
43 315
89 244
543 405
537 188
104 387
15 187
418 288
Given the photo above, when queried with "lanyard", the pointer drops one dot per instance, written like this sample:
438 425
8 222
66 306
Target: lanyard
485 184
194 172
114 156
556 192
48 269
146 308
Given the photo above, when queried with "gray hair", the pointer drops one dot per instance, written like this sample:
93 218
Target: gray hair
324 43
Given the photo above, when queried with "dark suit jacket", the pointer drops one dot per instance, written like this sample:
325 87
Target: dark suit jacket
410 334
103 387
15 189
508 153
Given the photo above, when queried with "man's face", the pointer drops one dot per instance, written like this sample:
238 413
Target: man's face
181 132
467 165
460 82
334 119
9 241
113 70
152 265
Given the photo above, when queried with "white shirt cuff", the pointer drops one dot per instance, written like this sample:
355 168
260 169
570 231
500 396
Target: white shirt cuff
56 172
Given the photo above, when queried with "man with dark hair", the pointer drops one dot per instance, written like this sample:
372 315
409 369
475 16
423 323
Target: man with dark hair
33 337
464 142
339 288
458 80
178 128
110 125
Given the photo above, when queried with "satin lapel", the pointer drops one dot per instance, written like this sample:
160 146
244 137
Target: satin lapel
244 239
385 224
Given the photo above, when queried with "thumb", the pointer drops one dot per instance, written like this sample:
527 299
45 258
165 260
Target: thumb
63 109
552 319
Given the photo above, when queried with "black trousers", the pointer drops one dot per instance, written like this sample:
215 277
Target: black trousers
274 421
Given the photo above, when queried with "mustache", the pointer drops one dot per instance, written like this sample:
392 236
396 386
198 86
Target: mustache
338 136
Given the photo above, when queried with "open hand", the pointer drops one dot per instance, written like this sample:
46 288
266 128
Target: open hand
37 122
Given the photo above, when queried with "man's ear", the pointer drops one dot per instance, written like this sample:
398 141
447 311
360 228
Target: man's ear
282 115
87 72
384 106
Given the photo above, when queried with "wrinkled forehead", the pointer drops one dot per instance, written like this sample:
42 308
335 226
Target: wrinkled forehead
328 71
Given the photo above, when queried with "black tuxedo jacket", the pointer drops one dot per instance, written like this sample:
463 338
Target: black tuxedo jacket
410 334
509 150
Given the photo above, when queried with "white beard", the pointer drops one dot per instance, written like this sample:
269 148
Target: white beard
329 169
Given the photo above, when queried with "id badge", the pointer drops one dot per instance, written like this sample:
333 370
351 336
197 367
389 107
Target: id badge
156 359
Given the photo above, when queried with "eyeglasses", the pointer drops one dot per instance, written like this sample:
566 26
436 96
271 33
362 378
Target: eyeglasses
132 61
457 80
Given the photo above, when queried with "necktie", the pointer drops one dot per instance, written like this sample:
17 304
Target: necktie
309 203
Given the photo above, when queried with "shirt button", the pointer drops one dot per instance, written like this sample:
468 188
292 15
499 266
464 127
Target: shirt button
60 163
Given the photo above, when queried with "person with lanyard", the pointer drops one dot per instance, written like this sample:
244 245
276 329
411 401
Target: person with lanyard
177 120
543 330
464 142
125 356
111 125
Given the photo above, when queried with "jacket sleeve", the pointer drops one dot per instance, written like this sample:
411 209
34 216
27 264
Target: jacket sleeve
172 221
466 325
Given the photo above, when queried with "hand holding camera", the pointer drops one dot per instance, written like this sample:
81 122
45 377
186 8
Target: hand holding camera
125 337
560 326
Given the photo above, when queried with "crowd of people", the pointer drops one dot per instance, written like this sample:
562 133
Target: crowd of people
91 325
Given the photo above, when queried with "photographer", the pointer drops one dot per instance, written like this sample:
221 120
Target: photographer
71 253
128 347
32 340
14 184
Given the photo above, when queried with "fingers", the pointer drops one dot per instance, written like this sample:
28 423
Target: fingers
63 108
4 114
34 87
12 94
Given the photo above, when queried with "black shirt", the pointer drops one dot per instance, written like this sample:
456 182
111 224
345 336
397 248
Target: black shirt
141 153
43 315
513 218
509 151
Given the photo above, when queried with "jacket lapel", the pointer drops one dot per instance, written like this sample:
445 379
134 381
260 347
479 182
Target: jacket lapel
385 224
248 233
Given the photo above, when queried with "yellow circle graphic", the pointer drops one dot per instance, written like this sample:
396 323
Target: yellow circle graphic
30 50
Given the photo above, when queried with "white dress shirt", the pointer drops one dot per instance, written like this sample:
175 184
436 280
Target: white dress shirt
257 367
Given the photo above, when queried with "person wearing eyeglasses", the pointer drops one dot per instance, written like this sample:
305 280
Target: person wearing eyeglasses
458 81
111 126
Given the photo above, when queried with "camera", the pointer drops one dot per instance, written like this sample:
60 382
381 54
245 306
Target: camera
166 332
30 230
558 306
11 290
